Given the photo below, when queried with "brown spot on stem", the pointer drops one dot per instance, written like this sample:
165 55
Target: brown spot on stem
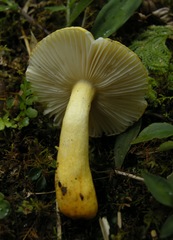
63 189
81 196
59 184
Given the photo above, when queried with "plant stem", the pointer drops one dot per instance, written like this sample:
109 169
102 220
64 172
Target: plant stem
68 13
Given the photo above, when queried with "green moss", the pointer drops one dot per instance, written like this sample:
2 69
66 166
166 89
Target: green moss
152 49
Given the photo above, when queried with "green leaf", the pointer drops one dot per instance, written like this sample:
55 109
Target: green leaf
56 8
28 91
112 16
26 207
22 87
2 125
167 228
1 196
160 188
22 105
24 122
166 146
155 130
70 3
41 183
34 173
8 123
10 5
30 100
123 143
4 207
3 8
170 179
10 102
78 9
31 112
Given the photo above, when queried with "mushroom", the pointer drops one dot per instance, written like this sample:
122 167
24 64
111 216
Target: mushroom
91 87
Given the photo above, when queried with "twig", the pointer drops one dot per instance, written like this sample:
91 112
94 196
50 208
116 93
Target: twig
26 42
129 175
119 220
105 227
84 17
28 232
31 20
27 5
161 117
68 13
58 223
39 193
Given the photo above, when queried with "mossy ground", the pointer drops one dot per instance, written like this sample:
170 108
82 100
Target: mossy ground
28 154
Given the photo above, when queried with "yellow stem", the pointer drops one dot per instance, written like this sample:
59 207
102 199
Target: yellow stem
73 181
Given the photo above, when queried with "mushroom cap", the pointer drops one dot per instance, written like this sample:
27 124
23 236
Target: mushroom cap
72 54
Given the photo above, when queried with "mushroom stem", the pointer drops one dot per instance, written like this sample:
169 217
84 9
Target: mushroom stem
75 192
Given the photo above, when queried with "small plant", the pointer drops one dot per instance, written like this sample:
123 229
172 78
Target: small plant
36 175
4 206
162 191
157 131
160 188
22 103
26 207
110 18
72 9
43 169
32 205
